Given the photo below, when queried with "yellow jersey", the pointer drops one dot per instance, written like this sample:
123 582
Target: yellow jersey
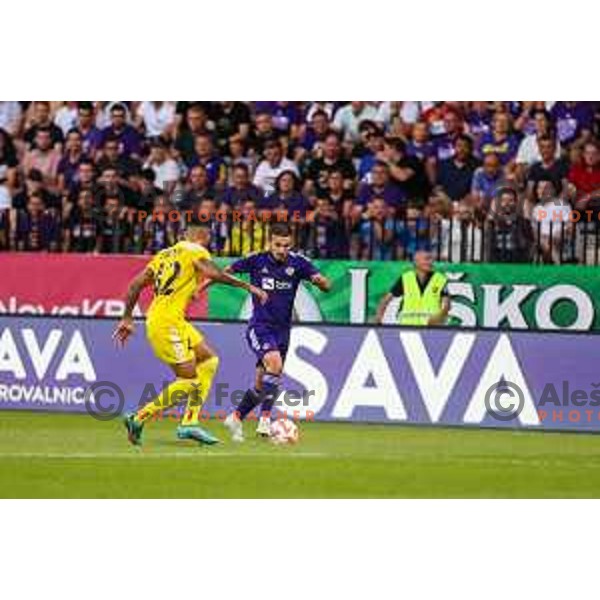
175 280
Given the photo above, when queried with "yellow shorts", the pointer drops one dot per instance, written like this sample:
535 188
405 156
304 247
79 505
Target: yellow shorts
173 342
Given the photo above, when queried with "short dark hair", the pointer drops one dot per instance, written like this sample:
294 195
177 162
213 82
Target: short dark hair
368 124
118 107
396 143
273 142
547 138
320 113
196 107
280 230
110 138
463 137
38 195
148 175
291 174
543 112
35 175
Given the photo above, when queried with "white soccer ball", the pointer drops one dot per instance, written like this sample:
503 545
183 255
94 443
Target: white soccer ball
284 431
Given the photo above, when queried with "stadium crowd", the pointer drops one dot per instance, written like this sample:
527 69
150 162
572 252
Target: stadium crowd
500 181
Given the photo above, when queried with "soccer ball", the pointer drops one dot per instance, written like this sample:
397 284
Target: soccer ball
284 431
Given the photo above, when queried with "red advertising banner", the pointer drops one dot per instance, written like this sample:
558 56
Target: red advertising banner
72 284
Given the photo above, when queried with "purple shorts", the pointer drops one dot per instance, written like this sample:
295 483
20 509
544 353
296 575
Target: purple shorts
265 339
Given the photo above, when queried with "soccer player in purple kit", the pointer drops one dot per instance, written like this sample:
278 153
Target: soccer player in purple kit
278 272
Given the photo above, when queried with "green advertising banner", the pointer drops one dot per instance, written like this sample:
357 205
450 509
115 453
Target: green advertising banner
483 295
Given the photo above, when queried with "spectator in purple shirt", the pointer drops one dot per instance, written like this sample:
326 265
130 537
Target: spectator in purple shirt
287 196
314 135
160 232
69 163
241 188
130 141
573 119
286 116
377 232
445 143
91 136
329 237
478 119
84 179
374 144
36 229
420 145
380 186
500 141
487 179
213 163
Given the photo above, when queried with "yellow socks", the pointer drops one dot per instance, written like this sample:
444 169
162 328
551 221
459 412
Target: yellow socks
194 390
173 394
205 373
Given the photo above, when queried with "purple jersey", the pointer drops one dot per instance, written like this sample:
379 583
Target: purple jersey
571 118
280 280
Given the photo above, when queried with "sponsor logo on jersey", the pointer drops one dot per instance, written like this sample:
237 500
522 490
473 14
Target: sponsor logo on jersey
268 283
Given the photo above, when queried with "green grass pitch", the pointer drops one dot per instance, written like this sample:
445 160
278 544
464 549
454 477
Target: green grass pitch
74 456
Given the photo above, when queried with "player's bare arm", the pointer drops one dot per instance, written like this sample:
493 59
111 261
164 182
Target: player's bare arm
206 283
321 282
125 328
212 272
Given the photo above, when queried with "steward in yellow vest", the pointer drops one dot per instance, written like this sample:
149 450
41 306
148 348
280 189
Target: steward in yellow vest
424 295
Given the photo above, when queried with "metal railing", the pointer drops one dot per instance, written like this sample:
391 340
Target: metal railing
513 239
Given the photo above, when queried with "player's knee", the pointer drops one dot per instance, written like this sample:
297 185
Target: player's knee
204 352
187 371
274 364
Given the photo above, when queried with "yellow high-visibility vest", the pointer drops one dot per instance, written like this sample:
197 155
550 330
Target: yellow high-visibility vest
417 306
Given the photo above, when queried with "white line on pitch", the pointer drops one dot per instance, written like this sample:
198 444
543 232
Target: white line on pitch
135 455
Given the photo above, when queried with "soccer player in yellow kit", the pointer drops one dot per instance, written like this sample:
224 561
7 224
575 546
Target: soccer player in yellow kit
175 274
